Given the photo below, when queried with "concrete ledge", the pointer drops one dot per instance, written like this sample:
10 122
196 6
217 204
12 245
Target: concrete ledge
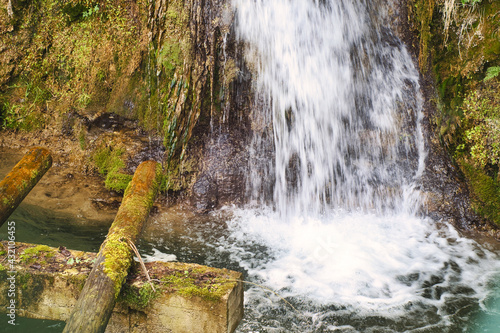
189 298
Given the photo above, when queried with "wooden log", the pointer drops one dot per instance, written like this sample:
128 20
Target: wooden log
21 179
97 299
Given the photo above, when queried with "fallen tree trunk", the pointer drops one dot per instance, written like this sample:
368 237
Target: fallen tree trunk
97 299
22 178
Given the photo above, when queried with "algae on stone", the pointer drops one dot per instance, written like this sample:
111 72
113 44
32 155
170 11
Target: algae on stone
459 41
110 164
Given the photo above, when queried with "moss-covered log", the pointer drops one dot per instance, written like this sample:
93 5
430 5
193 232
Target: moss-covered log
23 177
97 299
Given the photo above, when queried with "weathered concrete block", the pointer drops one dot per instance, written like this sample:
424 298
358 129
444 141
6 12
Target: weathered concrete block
188 298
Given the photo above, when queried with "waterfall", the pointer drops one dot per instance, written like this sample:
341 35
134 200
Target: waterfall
343 97
336 159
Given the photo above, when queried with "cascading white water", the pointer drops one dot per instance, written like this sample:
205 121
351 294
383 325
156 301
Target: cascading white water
343 98
342 238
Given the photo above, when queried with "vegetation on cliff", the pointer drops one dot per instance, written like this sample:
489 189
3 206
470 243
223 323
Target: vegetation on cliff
68 55
460 43
152 61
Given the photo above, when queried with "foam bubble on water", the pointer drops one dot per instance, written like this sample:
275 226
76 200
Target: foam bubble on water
360 260
159 256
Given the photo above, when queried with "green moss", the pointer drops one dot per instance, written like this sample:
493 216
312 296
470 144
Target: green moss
179 174
117 181
462 43
35 173
422 12
481 128
170 69
198 282
109 162
5 200
78 280
33 286
26 112
117 260
82 139
36 254
485 193
2 268
138 298
204 282
170 57
108 159
74 11
94 55
66 50
492 73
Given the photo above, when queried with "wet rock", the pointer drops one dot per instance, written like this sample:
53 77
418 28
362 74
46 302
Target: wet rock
71 120
64 251
129 105
446 194
152 148
107 203
222 179
204 193
109 121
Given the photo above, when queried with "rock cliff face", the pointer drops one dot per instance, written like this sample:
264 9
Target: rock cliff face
168 69
458 50
446 194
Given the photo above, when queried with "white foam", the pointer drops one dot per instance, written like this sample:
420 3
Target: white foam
159 256
372 263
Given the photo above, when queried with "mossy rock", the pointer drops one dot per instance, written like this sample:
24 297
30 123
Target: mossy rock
139 296
462 44
485 192
109 160
38 254
189 280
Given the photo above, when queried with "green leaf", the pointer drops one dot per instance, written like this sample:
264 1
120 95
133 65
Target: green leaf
492 72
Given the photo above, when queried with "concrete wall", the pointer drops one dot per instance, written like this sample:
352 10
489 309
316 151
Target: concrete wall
48 282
